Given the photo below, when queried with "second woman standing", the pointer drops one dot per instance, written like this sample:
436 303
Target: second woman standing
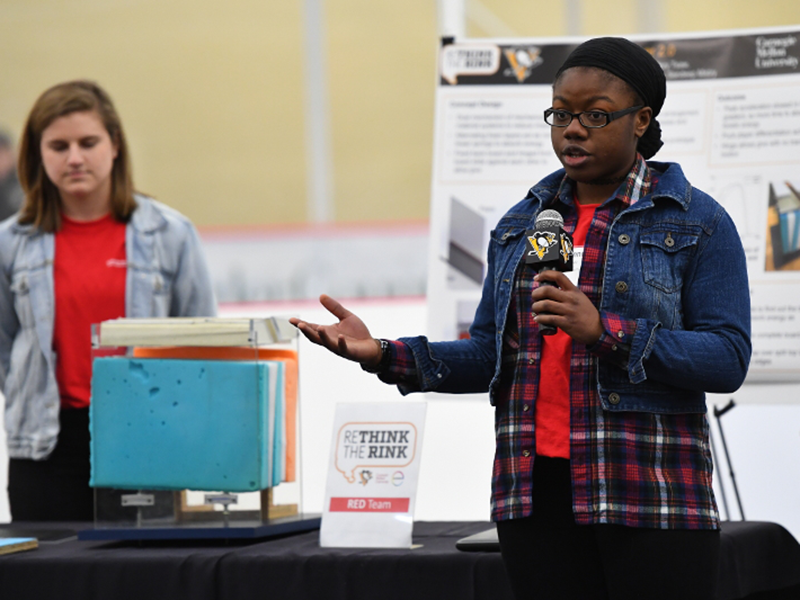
84 248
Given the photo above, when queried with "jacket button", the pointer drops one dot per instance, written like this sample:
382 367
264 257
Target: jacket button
669 242
526 407
531 361
621 287
505 236
624 239
613 398
526 453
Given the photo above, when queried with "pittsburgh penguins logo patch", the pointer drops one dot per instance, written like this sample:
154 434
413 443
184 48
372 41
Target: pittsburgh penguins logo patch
541 242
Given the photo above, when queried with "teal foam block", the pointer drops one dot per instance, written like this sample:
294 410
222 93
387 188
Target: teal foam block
184 424
279 436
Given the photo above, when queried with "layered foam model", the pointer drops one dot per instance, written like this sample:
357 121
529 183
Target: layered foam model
187 424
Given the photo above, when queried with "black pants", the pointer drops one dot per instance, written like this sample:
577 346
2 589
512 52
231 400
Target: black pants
57 488
548 556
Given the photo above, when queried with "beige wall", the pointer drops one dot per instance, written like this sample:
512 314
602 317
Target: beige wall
211 93
529 19
382 82
700 15
620 17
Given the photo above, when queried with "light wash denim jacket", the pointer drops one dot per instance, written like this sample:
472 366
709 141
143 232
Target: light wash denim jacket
166 276
682 260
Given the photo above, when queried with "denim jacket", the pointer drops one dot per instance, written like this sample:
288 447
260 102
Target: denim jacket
166 276
681 260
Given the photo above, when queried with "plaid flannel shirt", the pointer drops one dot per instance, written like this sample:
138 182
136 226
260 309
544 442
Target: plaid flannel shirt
628 468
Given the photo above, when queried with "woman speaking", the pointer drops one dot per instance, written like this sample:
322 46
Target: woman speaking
601 484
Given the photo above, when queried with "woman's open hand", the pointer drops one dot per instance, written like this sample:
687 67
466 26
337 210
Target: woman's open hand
349 337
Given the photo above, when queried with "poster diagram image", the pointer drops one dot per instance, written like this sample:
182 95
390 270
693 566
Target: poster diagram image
783 226
465 247
742 198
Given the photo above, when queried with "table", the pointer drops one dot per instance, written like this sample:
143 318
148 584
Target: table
756 557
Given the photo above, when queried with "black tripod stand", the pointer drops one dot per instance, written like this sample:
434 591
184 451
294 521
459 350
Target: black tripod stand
718 412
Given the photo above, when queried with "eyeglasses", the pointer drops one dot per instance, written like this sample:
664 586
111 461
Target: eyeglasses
590 119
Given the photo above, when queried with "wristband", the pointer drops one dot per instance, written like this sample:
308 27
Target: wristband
383 363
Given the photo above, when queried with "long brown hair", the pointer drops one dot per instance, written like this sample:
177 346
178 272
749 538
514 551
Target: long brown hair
42 207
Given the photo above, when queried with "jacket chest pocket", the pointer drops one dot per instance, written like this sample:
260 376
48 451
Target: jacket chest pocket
150 292
666 253
23 307
162 294
506 238
506 242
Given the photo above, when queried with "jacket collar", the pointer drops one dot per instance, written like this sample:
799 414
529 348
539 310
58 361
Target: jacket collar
146 218
671 184
20 229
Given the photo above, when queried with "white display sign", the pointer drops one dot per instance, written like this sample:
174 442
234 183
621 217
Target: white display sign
731 119
372 477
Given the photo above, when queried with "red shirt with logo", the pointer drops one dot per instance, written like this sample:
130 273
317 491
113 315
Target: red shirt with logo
89 274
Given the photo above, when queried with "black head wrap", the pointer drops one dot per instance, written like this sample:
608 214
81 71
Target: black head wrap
636 67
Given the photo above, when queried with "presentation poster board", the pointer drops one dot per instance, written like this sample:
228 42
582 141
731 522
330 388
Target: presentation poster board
372 475
731 119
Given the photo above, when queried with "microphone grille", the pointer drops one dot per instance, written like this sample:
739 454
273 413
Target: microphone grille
549 218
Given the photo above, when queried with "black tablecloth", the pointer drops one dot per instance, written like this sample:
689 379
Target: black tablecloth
756 557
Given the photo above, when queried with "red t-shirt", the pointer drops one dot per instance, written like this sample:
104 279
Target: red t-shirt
89 278
552 403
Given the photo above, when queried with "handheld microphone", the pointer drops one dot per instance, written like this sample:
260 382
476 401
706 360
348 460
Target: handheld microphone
548 247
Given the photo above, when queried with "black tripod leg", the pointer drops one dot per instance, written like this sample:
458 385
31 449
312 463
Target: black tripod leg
718 413
721 481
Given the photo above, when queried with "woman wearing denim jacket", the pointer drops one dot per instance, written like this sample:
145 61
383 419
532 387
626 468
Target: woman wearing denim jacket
601 485
83 249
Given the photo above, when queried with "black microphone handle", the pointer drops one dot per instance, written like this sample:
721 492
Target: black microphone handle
547 329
